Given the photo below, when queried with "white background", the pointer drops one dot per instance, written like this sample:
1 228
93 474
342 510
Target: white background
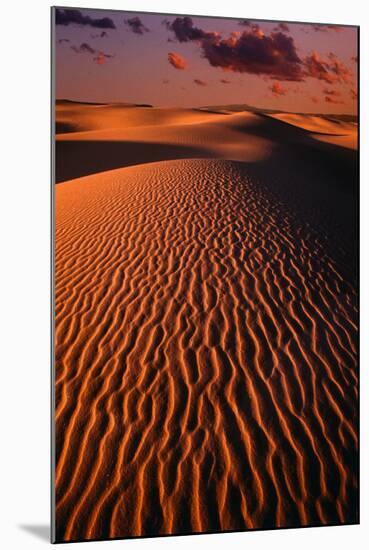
25 262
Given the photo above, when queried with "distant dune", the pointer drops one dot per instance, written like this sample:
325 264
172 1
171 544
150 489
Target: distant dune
85 117
95 138
206 321
328 129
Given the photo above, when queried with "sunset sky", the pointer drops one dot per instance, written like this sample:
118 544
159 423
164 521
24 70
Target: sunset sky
117 56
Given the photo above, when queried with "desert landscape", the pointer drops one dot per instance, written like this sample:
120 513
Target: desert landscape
206 320
206 195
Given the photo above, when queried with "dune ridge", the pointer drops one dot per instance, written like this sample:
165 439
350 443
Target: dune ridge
206 355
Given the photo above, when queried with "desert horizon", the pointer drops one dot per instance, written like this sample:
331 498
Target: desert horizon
206 290
232 107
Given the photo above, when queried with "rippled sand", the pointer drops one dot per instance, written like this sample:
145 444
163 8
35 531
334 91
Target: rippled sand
206 333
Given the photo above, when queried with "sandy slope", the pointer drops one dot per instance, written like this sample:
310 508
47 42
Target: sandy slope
158 134
206 346
113 136
77 117
329 130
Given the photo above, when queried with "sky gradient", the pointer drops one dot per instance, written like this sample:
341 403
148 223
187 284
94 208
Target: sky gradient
116 56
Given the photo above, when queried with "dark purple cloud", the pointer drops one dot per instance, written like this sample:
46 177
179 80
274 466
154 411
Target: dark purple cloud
251 51
72 16
100 57
63 40
259 54
224 81
254 51
102 34
83 48
185 31
135 24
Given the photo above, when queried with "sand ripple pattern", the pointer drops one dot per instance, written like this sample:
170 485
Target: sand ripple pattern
206 361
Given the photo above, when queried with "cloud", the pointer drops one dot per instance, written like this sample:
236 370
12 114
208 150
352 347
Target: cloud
177 61
330 70
165 81
314 99
282 27
341 71
320 27
250 51
255 53
277 89
325 28
63 40
103 34
224 81
200 82
83 48
185 31
316 67
136 25
76 17
354 59
353 93
101 58
254 27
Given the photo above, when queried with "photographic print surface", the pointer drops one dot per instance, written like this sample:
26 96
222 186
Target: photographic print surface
206 253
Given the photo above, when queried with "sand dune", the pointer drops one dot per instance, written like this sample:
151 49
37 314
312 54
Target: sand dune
327 129
220 136
110 137
206 334
317 124
82 117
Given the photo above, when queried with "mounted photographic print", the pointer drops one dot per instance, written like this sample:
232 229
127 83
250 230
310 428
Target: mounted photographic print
205 307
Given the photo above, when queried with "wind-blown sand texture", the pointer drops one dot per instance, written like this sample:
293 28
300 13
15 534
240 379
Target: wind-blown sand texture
206 322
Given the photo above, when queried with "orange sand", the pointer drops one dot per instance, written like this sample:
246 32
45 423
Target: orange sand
206 324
